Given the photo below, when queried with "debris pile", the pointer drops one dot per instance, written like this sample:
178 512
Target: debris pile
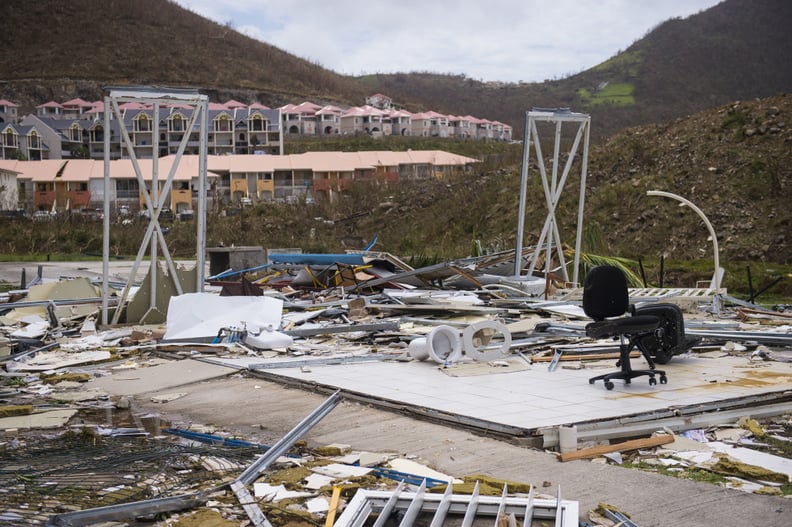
448 328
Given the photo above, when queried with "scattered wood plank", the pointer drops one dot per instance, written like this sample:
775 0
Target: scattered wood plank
634 444
584 356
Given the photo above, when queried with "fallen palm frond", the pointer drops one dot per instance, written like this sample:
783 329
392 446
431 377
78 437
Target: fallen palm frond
590 261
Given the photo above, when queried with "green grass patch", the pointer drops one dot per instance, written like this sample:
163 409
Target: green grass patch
615 93
626 63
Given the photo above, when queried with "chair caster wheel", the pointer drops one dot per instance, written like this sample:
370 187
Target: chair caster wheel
608 385
663 379
591 381
652 381
627 381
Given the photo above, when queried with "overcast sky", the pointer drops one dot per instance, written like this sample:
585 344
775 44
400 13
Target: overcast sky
488 40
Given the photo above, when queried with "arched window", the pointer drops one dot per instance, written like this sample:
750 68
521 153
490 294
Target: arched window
142 123
10 138
177 123
257 124
222 124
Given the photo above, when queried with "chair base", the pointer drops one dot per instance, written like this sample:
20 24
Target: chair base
626 372
628 376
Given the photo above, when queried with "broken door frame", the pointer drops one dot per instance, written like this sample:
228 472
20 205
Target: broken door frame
552 186
155 201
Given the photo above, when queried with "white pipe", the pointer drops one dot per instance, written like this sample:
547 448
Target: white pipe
716 275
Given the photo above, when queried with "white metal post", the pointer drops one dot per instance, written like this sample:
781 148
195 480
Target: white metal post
523 188
106 223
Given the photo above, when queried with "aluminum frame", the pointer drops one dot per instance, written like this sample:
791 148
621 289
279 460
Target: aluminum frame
552 186
358 512
156 201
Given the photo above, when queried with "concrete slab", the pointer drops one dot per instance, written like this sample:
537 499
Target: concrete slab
264 411
157 378
532 397
42 420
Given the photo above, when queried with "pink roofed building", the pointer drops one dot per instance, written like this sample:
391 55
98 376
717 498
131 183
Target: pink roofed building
9 111
50 109
461 127
300 119
75 108
65 185
401 122
328 120
378 100
366 120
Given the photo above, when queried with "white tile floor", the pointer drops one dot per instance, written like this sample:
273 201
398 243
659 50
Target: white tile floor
536 397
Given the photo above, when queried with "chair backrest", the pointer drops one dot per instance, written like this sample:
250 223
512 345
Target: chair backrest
605 292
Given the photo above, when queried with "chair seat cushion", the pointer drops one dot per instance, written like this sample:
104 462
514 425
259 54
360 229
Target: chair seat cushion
614 327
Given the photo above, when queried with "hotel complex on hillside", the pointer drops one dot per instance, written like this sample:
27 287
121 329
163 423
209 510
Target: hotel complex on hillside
54 160
75 129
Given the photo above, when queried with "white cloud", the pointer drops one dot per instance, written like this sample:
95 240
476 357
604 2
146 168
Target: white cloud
506 40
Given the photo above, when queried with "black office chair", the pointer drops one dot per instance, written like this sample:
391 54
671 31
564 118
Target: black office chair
605 296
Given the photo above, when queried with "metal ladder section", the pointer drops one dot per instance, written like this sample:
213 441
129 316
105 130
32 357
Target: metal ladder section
406 507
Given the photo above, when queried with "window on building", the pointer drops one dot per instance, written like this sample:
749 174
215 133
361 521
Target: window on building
74 132
177 123
222 124
257 124
127 188
142 123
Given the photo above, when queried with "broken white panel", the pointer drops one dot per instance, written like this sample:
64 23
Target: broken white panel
754 457
317 505
748 456
694 457
567 310
317 481
370 459
200 316
743 484
339 471
53 360
268 339
299 317
424 296
34 330
277 492
416 469
87 342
